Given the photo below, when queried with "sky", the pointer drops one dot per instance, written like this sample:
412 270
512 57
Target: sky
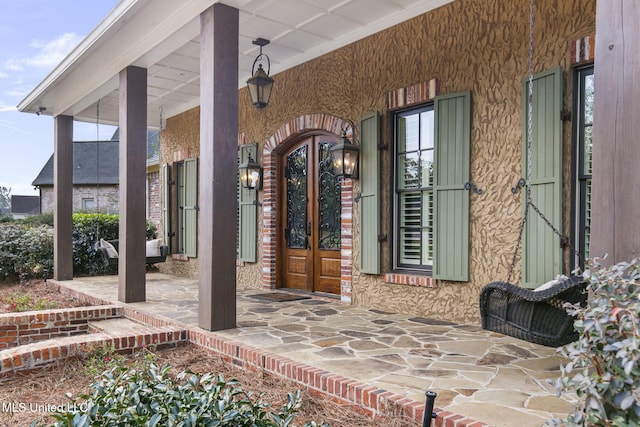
35 35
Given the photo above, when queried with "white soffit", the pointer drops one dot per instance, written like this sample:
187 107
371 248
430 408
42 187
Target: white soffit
163 36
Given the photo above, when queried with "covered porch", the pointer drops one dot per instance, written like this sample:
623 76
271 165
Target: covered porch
380 362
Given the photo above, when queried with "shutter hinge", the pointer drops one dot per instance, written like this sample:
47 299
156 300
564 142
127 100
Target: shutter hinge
565 115
382 238
383 147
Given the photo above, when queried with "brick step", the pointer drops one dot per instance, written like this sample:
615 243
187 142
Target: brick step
119 326
122 335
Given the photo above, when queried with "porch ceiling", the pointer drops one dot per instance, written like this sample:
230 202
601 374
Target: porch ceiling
163 36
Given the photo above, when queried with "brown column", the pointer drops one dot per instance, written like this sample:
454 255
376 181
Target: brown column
133 157
616 131
218 167
63 198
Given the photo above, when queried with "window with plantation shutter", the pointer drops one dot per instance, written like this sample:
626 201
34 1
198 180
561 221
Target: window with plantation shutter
414 189
583 148
431 204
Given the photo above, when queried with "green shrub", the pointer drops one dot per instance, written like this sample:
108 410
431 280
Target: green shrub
604 364
25 252
151 397
36 220
103 358
26 247
18 302
88 229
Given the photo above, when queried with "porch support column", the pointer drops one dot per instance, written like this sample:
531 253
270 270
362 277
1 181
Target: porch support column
63 198
616 131
133 155
218 167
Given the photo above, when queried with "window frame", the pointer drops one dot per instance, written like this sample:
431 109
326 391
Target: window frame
580 179
396 265
86 200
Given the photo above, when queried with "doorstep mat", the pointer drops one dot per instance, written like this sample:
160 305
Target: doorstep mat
279 297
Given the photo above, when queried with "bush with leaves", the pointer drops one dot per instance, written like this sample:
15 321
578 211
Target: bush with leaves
88 228
25 252
151 397
35 220
604 364
26 247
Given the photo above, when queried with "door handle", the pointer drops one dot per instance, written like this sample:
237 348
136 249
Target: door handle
308 229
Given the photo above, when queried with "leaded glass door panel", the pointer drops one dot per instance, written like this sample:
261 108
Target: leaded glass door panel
310 217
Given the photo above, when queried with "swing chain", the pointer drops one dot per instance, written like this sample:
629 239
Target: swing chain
530 102
564 240
527 182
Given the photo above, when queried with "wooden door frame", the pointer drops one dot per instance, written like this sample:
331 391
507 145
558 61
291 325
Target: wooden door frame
282 137
315 282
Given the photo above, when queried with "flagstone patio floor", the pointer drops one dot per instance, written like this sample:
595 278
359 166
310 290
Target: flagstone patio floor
477 374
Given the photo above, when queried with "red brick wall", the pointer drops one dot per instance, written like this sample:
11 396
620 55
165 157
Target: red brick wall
28 327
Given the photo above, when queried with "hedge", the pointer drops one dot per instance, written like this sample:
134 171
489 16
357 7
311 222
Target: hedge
26 248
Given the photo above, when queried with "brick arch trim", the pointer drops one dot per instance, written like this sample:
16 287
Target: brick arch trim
285 134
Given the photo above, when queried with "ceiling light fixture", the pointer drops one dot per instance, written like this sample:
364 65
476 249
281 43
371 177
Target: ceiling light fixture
260 84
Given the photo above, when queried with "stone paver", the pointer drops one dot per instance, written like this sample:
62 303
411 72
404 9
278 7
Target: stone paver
482 375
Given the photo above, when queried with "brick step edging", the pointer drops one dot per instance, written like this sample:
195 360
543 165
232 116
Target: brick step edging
44 354
33 326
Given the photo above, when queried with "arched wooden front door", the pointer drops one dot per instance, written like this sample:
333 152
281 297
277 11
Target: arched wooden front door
310 208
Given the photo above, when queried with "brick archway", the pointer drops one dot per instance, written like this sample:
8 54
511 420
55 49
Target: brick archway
285 134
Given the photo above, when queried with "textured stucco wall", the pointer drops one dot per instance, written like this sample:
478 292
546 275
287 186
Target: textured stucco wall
476 45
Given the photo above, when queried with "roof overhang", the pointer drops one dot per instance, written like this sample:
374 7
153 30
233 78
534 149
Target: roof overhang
163 37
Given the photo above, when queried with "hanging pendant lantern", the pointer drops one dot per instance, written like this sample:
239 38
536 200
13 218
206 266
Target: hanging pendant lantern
260 84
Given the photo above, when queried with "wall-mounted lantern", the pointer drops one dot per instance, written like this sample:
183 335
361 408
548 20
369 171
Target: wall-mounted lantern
260 84
250 174
345 156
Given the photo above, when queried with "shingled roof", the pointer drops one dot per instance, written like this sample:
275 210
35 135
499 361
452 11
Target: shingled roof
85 164
29 205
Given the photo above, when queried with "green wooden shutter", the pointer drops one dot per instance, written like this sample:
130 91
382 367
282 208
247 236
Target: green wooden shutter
541 254
165 178
369 194
247 211
451 200
190 207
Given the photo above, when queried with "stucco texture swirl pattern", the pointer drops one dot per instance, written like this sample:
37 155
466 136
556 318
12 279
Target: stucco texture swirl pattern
476 45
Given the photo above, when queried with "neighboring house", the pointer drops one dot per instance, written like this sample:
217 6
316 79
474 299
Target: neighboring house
438 93
24 206
96 177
